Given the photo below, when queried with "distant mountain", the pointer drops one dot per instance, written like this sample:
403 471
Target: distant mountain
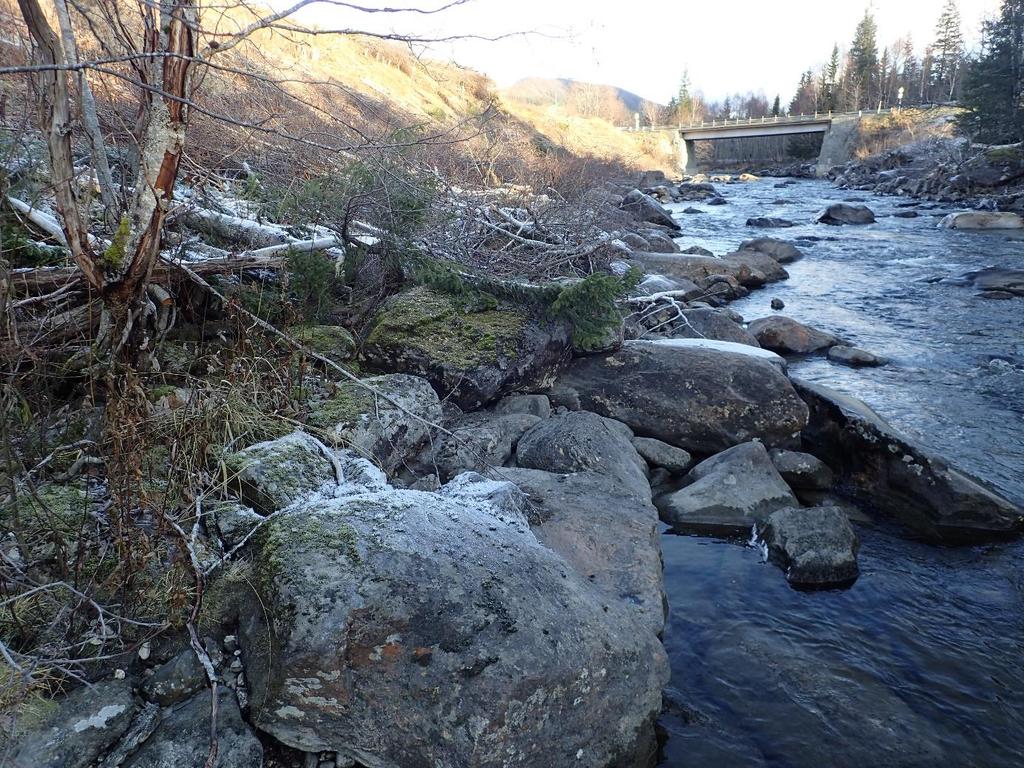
578 97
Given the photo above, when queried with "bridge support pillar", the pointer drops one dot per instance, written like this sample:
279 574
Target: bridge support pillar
688 156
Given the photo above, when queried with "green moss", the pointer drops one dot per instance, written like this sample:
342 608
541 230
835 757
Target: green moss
347 406
1013 153
113 256
162 390
439 327
332 341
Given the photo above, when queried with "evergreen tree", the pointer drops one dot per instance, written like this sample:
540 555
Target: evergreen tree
829 86
684 99
910 74
864 60
776 107
993 91
948 54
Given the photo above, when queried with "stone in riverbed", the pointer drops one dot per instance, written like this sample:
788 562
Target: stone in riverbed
696 250
997 279
854 356
777 304
583 441
696 191
981 220
780 250
697 395
728 493
889 472
519 657
787 336
470 354
845 213
768 222
815 546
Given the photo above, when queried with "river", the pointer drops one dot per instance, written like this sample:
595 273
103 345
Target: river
921 661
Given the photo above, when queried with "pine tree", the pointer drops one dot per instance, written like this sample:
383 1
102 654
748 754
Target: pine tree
830 83
993 93
776 107
684 99
948 54
910 75
864 59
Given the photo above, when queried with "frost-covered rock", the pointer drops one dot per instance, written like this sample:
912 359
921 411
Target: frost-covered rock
271 475
411 628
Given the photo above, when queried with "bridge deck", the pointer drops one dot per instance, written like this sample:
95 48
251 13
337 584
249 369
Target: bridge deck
755 126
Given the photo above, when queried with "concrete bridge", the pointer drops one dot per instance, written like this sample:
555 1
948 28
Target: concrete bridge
838 128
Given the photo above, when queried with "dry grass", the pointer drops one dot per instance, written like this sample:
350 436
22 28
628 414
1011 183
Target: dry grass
879 133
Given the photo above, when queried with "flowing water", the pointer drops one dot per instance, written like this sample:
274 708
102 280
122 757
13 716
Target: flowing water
921 661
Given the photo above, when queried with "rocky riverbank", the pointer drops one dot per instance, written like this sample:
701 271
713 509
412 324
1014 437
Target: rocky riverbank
458 564
948 170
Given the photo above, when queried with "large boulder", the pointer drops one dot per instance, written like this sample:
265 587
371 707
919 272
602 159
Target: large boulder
787 336
983 220
471 355
802 471
409 628
846 213
182 739
607 533
892 474
73 734
659 454
816 546
688 393
707 323
385 418
646 208
728 494
583 441
780 250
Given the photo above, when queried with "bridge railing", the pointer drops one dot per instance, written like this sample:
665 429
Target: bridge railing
749 121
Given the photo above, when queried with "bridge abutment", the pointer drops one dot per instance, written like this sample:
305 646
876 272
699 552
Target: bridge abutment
688 156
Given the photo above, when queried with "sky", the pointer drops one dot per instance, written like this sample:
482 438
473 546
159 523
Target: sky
727 46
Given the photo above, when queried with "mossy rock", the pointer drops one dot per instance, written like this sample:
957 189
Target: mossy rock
271 475
387 427
472 354
332 341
